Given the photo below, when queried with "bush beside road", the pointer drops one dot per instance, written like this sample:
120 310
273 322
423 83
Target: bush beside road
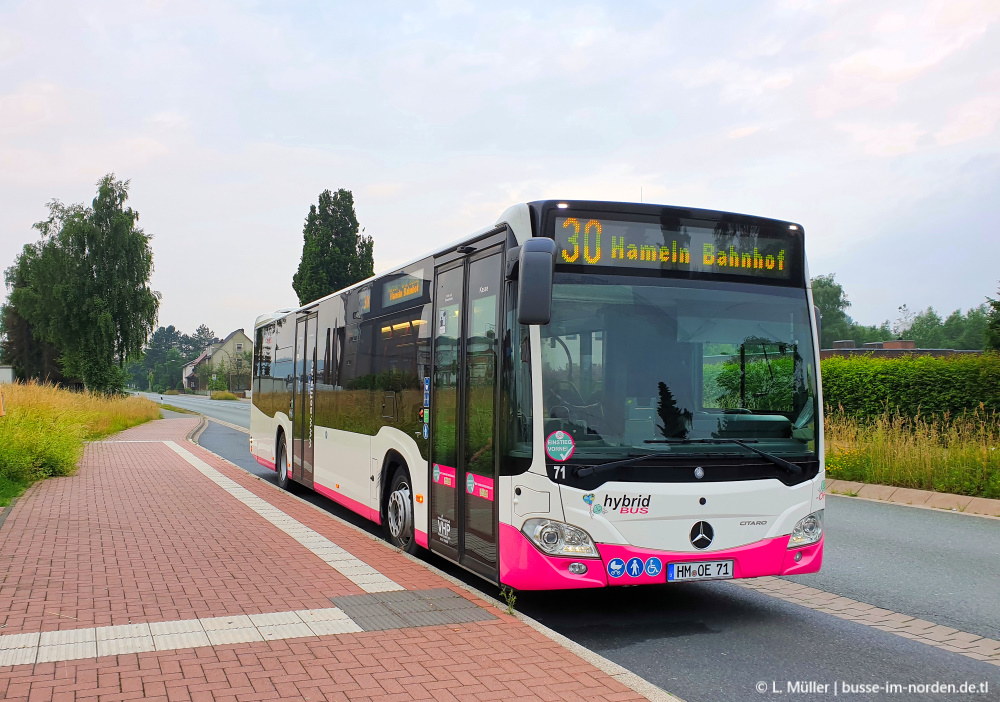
959 455
45 428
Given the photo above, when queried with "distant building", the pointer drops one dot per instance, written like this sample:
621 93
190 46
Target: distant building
228 354
886 349
6 374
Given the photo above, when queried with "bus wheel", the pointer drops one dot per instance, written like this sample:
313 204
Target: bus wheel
282 466
399 513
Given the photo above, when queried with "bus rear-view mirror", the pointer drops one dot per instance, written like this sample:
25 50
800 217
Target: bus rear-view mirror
534 282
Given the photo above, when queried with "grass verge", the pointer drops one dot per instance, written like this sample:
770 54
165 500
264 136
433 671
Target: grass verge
45 427
173 408
959 455
223 395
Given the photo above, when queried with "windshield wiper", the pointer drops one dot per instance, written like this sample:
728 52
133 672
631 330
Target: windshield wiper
776 460
584 471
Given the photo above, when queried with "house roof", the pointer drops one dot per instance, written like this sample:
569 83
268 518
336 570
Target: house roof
202 357
231 335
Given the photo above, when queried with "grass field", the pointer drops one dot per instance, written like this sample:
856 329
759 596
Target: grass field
45 427
948 454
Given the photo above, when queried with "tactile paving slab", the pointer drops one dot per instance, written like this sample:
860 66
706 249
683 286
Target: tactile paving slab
402 609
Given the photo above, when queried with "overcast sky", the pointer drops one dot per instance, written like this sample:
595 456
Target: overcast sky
874 124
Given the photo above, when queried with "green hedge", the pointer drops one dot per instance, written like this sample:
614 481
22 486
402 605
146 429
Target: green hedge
866 386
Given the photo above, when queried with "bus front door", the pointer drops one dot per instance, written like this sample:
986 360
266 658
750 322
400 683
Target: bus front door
303 420
463 507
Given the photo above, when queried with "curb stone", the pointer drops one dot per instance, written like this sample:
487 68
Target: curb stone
981 507
5 512
193 435
610 668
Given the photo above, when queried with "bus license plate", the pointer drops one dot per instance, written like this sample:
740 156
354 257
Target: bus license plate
699 570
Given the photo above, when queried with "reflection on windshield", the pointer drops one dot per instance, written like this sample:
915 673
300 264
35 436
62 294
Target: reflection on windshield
627 361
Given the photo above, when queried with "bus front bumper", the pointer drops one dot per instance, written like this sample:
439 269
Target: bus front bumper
524 567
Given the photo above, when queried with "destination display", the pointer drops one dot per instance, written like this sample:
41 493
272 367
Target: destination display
725 248
402 289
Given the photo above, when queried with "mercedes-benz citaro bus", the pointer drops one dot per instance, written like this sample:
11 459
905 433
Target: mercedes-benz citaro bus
584 394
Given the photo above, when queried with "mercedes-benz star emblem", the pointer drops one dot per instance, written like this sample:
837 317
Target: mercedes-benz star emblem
702 535
699 472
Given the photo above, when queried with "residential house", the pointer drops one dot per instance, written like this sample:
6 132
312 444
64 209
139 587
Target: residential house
227 356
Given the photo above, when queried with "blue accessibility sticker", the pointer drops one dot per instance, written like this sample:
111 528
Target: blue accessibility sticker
616 566
634 567
654 566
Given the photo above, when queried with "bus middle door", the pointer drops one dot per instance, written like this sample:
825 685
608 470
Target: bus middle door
463 510
303 419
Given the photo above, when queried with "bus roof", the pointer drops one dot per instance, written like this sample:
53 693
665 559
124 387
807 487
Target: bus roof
524 219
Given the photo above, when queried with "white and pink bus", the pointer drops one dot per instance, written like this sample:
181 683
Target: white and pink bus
583 394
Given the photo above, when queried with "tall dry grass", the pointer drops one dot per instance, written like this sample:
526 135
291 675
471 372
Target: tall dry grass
958 454
46 426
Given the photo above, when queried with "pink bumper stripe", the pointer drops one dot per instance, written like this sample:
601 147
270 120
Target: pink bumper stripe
524 567
265 463
353 505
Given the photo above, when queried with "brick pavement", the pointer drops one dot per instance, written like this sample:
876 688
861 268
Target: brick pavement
139 535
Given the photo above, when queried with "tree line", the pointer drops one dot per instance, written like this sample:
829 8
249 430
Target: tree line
976 329
80 310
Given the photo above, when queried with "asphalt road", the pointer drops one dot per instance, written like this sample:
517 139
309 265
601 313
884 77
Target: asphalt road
940 566
717 641
233 411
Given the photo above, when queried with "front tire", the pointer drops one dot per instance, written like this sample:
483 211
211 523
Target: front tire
282 466
399 529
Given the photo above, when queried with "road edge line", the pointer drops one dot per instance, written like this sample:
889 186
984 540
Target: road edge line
631 680
938 510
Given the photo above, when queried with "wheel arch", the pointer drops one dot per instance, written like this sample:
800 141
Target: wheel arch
279 438
391 462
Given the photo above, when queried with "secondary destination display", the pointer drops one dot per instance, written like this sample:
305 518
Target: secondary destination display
404 288
734 249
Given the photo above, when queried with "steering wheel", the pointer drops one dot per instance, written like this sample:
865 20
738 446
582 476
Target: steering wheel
574 398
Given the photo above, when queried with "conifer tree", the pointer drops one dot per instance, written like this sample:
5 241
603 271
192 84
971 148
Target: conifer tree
334 253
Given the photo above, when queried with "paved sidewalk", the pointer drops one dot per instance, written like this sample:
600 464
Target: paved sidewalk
160 571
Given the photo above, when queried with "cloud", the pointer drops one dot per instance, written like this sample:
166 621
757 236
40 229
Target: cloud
10 45
742 132
230 118
974 119
32 108
885 141
737 82
169 120
84 162
898 46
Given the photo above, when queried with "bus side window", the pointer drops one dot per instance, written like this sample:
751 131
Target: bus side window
516 397
326 358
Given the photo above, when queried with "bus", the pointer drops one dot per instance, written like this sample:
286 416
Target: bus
583 394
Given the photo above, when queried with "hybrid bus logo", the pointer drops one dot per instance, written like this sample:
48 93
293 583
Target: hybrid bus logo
628 505
594 508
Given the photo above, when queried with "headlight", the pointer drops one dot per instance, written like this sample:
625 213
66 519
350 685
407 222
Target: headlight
807 531
560 539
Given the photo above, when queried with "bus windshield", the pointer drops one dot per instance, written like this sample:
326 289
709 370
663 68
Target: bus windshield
634 364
